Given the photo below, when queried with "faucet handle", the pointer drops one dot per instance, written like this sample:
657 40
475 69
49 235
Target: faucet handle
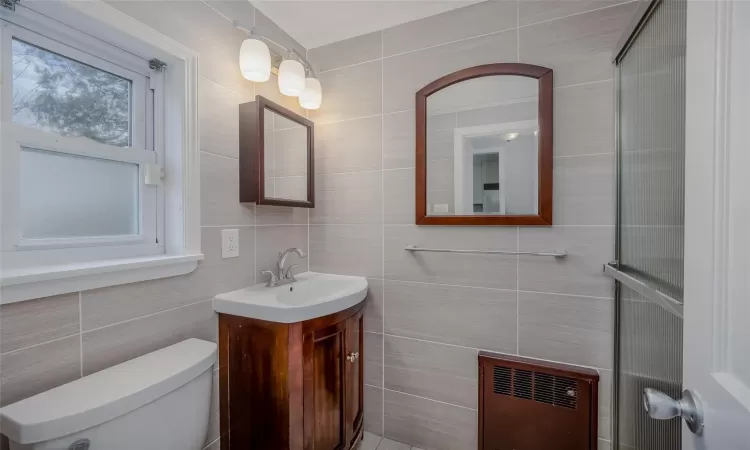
288 274
272 279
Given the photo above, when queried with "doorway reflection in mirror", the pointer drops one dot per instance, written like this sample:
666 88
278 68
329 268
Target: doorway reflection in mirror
482 147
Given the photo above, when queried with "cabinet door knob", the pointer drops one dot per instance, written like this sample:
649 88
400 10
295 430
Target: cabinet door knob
351 357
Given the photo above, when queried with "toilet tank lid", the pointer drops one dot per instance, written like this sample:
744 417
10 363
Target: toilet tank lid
105 395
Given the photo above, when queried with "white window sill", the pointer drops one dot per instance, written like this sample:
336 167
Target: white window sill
26 284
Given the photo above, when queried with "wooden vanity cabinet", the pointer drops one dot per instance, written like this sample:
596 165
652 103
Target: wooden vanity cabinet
296 386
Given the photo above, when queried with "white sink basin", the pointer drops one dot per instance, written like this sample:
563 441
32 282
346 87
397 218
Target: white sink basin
313 295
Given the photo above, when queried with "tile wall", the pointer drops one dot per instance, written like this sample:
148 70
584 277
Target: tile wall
48 342
428 315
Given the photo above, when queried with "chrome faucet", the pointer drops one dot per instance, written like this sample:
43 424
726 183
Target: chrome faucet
282 276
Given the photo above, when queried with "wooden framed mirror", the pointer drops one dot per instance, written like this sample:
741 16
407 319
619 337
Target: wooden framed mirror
276 155
484 147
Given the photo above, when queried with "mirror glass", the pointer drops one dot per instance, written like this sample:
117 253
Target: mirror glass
482 151
284 157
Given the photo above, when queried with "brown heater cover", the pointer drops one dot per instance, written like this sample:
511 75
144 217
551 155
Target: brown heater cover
526 404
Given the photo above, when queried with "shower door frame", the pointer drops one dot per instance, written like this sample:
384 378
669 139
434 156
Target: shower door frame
640 18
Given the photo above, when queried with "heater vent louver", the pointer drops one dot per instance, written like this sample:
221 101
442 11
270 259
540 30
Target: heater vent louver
502 380
522 387
537 386
558 391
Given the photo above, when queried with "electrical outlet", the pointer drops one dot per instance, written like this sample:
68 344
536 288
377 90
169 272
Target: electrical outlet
230 243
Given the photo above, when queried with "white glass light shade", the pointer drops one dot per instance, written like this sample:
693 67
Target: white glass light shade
291 78
255 60
312 96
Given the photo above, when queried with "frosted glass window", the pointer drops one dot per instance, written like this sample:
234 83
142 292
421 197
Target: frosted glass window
64 196
57 94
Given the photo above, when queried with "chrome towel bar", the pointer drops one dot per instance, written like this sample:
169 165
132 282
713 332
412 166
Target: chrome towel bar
661 299
556 254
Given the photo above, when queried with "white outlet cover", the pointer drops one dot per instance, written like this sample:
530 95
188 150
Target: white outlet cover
230 243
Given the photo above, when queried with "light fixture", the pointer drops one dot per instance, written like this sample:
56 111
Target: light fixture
291 77
255 60
510 136
295 74
312 96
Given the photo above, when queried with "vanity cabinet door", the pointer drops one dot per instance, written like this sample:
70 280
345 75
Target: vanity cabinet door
325 366
354 377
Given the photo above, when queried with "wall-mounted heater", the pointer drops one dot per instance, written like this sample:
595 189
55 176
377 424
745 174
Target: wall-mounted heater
526 404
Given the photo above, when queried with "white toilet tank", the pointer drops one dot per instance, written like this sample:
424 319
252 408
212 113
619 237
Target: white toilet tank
159 401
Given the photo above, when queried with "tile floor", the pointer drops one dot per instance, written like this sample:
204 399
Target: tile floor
375 442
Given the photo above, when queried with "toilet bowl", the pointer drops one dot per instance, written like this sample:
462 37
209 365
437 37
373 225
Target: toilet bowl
159 401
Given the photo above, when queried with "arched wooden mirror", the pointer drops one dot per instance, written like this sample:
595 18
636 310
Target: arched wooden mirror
484 147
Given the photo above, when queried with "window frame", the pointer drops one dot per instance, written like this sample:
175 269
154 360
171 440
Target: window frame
86 32
16 138
140 152
106 60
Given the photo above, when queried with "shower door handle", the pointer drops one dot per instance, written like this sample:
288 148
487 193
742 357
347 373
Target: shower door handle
660 406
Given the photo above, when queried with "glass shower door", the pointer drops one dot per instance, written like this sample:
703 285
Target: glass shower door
650 225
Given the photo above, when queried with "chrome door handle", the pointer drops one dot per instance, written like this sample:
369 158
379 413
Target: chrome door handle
660 406
353 356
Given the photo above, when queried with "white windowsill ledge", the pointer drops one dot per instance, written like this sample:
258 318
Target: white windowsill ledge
26 284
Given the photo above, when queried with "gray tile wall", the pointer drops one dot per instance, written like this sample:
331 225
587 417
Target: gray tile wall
430 314
48 342
426 317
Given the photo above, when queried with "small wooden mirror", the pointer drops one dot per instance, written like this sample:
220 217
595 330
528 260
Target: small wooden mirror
484 147
276 156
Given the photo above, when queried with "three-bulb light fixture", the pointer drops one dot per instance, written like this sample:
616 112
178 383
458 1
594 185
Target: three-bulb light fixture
296 77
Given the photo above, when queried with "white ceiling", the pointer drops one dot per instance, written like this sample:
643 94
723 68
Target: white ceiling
314 23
